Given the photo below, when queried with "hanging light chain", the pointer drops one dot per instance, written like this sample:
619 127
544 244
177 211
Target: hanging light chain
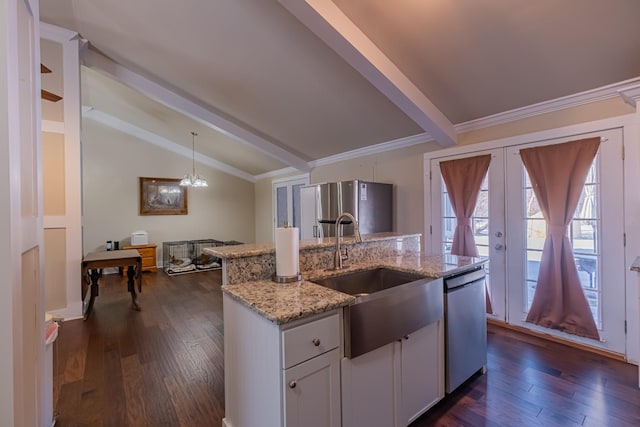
193 179
193 150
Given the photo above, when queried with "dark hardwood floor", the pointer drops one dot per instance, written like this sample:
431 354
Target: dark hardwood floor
163 366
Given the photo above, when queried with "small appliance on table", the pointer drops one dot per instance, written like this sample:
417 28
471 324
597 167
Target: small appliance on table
94 262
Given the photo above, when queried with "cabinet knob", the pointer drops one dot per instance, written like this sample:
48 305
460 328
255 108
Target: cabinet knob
316 341
293 384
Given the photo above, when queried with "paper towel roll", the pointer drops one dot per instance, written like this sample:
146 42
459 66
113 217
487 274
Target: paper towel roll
287 251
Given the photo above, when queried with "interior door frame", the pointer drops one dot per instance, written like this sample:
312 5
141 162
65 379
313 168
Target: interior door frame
22 293
70 129
631 218
284 182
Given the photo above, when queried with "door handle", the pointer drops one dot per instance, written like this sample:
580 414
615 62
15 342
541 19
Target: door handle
499 246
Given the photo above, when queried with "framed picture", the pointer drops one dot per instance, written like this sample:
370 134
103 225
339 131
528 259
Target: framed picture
162 196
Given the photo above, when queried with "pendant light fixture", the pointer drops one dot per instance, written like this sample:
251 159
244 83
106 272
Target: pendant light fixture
193 179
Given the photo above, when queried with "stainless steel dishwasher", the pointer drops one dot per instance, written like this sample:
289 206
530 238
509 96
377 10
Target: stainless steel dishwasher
465 327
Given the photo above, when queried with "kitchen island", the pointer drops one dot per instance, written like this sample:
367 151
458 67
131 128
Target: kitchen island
285 362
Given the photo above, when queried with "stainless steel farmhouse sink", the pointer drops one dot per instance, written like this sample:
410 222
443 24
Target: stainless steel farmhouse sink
363 282
389 305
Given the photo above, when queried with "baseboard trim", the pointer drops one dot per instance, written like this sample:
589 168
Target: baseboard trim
549 337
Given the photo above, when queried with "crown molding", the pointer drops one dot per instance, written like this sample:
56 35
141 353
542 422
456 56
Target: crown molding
575 100
629 90
396 144
276 173
631 94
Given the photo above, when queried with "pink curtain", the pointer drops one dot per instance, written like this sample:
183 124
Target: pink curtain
463 178
557 174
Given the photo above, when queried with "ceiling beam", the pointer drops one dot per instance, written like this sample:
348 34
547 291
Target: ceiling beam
328 22
192 109
157 140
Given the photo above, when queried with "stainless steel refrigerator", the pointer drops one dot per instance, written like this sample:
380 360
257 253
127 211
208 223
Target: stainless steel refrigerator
371 203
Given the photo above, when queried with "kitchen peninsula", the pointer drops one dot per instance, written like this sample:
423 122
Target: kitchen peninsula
285 361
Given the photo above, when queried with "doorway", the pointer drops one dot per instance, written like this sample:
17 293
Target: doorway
286 201
510 231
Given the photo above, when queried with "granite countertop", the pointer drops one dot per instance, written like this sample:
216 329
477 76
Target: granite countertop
284 302
253 249
430 266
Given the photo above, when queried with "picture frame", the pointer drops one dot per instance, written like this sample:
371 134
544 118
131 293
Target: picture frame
163 196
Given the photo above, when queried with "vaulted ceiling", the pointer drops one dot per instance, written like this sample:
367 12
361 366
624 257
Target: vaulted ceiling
274 84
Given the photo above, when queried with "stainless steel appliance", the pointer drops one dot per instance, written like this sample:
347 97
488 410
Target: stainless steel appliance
389 305
371 203
465 327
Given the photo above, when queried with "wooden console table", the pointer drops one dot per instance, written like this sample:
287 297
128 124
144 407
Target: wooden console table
94 262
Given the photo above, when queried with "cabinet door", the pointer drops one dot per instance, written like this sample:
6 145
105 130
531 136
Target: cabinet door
369 384
312 392
422 372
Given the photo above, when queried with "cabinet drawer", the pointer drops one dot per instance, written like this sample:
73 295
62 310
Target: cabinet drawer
309 340
146 252
148 262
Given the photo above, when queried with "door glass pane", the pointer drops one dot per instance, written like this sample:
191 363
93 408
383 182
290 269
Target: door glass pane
281 206
479 224
448 230
479 220
296 204
583 233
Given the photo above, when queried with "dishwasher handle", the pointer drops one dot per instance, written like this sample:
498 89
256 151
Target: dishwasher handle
464 278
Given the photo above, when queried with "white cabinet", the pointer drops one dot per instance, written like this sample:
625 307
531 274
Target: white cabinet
311 377
368 388
312 392
422 372
286 375
395 384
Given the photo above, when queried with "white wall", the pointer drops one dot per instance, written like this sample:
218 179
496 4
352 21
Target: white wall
402 168
113 162
264 211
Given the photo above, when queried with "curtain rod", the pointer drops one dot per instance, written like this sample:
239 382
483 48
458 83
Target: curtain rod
602 139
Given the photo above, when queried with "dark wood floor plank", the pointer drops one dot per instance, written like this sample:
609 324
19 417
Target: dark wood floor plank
72 357
115 413
157 400
164 366
68 404
133 391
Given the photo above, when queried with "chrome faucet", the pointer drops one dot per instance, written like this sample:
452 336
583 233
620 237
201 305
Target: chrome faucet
338 257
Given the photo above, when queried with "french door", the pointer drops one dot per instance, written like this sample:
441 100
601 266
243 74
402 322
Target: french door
488 223
509 229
